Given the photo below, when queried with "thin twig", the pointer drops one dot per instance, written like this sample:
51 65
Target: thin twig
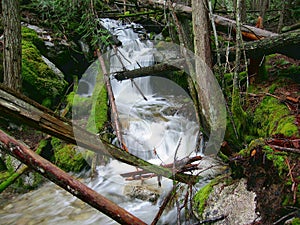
211 220
170 195
139 90
285 149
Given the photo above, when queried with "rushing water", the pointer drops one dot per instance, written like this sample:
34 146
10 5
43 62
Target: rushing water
158 129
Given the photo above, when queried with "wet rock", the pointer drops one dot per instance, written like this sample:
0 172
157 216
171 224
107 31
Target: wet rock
234 201
146 192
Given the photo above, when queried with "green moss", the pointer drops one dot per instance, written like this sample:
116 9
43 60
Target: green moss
202 195
272 88
272 117
39 81
295 221
278 159
4 175
99 111
66 157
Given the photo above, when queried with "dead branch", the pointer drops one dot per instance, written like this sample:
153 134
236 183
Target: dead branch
211 220
19 107
183 165
67 182
114 111
285 149
167 199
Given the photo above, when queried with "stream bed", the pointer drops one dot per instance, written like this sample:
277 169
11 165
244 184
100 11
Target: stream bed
158 124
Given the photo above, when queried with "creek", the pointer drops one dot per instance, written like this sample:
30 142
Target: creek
159 129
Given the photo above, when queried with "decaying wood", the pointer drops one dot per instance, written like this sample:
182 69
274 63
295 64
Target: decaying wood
287 44
67 182
19 107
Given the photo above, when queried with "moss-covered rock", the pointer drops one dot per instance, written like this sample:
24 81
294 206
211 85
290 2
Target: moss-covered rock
201 197
66 157
39 81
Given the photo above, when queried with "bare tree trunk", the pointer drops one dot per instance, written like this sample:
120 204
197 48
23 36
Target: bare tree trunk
66 181
201 31
12 53
243 11
238 46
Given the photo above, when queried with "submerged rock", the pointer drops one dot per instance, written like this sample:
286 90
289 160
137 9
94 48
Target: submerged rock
142 191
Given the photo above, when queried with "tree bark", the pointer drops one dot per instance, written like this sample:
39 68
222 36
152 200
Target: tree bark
12 52
201 31
66 181
20 108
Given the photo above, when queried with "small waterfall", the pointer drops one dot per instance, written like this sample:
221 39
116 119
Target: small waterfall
158 130
152 129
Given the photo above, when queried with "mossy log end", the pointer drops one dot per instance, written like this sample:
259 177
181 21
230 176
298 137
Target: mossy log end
20 108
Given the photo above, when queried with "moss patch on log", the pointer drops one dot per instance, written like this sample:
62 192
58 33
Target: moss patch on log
272 117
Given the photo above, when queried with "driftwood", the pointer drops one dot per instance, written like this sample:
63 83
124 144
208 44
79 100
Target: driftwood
19 107
66 181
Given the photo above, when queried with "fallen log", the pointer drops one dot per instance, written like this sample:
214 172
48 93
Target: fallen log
66 181
19 107
251 32
287 44
156 70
